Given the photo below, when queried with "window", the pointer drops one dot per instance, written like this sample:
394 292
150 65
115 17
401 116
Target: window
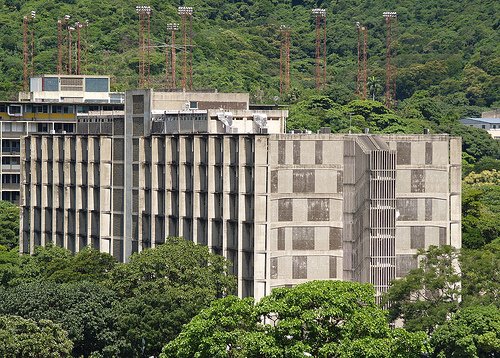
15 110
193 105
40 108
56 109
483 126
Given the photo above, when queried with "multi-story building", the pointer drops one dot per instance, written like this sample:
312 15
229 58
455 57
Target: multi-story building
489 124
283 208
22 118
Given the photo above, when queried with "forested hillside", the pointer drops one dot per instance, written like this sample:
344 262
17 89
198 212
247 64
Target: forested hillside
448 48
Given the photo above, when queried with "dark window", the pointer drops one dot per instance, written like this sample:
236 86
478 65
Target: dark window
417 237
281 151
285 210
281 238
299 267
318 209
303 238
296 152
403 153
335 238
333 267
303 181
417 181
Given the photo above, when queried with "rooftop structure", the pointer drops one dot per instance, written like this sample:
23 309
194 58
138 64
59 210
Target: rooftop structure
71 88
491 125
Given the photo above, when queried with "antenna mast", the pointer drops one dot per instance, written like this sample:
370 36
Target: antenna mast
79 26
361 86
144 40
70 49
28 53
186 14
390 80
364 77
285 59
320 16
170 56
61 24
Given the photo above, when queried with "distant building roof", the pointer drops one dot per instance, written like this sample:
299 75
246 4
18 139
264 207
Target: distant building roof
484 120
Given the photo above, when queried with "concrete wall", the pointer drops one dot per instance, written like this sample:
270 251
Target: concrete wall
283 208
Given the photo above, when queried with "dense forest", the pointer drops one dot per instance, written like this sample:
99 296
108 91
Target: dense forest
448 48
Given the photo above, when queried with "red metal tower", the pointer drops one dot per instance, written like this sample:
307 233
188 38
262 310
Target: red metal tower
28 50
70 49
285 59
61 25
361 86
186 14
79 26
320 17
364 76
390 68
170 56
144 44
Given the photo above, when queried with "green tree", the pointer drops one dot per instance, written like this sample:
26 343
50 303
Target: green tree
9 225
480 211
9 266
481 274
53 263
471 332
21 337
83 309
427 295
318 318
162 289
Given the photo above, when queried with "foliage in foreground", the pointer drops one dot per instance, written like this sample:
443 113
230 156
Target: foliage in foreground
428 294
9 225
318 318
127 310
471 332
21 337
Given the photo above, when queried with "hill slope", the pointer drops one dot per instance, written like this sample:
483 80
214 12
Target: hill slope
447 47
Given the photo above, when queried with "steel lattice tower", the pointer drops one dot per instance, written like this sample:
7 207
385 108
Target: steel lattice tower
170 56
61 25
186 14
285 59
320 19
79 26
144 44
390 68
70 49
362 76
28 50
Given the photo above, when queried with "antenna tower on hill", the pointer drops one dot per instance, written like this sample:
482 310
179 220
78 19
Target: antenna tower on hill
61 25
144 44
391 18
171 56
186 14
28 49
361 86
320 17
285 59
79 26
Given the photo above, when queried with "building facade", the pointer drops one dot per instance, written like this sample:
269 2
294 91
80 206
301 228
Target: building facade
283 208
18 119
489 124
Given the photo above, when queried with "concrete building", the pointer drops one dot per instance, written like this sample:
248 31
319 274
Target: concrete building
22 118
283 208
71 88
491 125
